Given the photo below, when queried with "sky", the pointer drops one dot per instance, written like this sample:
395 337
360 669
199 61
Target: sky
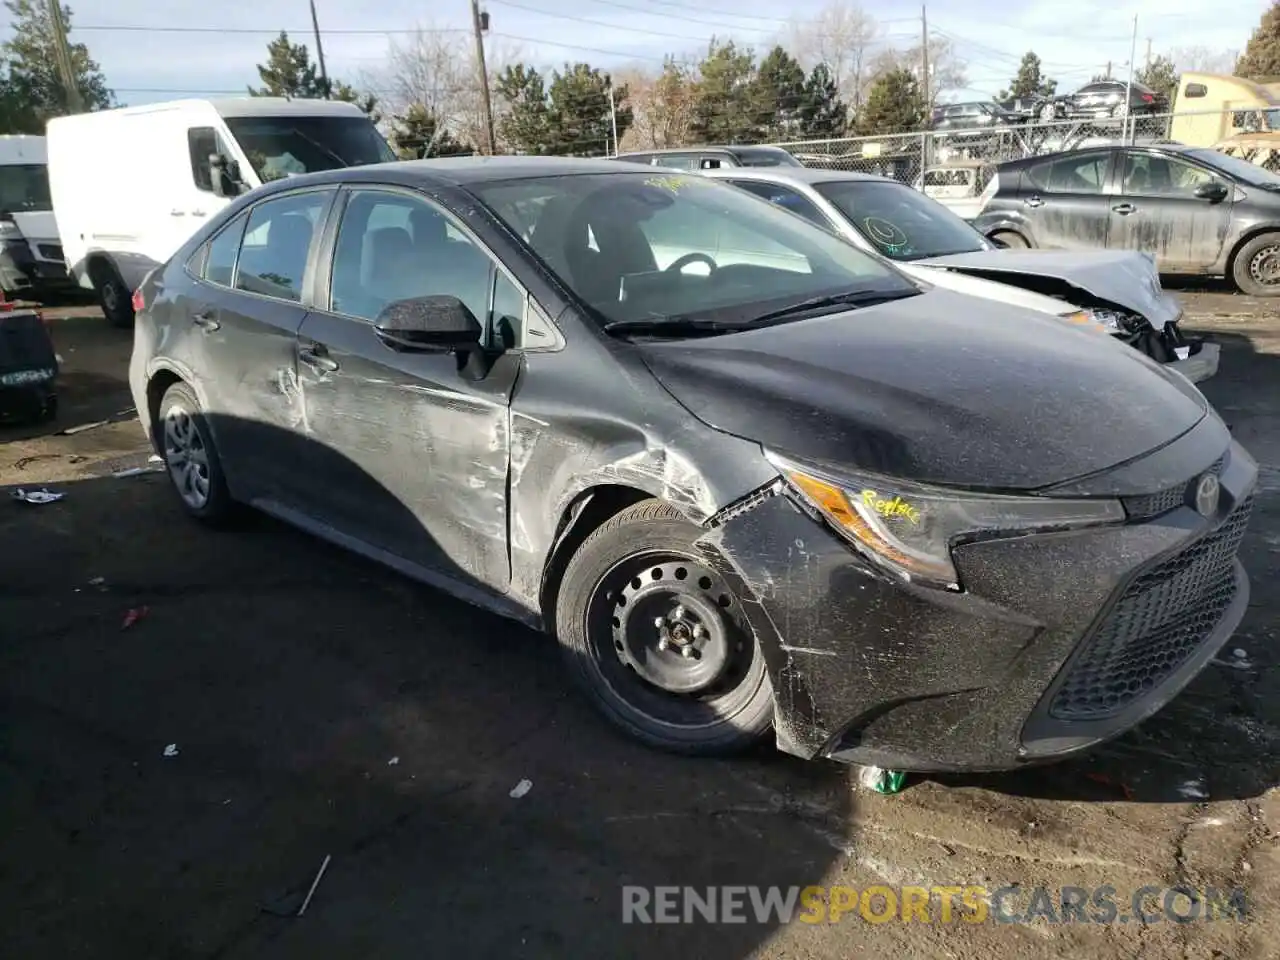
223 41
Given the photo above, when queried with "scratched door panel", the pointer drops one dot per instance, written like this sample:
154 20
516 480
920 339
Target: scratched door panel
407 453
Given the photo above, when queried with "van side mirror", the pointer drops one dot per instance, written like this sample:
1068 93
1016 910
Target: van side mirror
1213 191
225 175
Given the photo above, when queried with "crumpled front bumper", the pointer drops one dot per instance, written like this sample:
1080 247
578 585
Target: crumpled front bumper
1200 366
874 671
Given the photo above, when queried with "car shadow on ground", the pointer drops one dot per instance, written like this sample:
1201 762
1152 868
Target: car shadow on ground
319 706
1220 738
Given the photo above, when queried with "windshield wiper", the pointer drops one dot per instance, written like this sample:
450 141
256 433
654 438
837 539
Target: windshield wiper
855 298
675 326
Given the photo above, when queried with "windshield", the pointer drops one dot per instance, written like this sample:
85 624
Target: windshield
24 187
901 223
639 246
280 146
1241 170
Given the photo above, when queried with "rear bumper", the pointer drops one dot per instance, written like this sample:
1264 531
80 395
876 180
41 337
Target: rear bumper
1057 643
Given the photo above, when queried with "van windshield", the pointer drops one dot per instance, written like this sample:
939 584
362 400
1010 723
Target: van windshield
24 187
280 146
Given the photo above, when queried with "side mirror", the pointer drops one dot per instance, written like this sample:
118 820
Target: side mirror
434 324
1213 191
225 175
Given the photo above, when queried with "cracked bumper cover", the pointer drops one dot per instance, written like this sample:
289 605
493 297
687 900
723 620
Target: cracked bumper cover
868 670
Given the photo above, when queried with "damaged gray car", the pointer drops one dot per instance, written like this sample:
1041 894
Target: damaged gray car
753 479
1117 289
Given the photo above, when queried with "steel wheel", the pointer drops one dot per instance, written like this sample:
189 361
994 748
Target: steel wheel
186 457
1264 266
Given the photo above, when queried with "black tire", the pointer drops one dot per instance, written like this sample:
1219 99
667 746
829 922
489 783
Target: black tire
180 406
114 296
1011 239
1256 267
637 567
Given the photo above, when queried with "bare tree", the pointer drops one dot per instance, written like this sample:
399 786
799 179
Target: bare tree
437 69
842 36
947 71
662 105
1204 60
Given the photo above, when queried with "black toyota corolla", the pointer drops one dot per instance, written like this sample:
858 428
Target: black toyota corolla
751 477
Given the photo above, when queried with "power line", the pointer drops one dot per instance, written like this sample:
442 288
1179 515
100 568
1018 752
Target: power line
595 23
139 28
748 16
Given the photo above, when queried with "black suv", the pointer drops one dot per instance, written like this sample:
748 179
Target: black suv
1106 98
1194 210
713 158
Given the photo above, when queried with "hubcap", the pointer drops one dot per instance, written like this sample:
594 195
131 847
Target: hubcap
186 457
672 626
110 295
1265 266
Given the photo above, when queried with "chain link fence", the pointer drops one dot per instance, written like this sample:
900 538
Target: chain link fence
906 156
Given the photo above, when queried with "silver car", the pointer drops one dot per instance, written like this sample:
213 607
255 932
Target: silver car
1118 289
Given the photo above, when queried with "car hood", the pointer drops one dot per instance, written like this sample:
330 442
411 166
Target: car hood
1123 277
942 388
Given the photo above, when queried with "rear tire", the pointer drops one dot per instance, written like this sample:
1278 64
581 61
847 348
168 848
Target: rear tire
638 568
113 296
191 457
1011 239
1256 267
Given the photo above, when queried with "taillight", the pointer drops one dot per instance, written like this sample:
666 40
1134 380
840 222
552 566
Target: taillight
1148 98
137 301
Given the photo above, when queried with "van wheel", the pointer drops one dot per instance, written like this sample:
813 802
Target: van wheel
1010 239
658 640
191 458
113 295
1256 268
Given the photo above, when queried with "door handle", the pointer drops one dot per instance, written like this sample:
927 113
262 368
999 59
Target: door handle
205 321
1124 209
197 213
317 357
177 213
1034 202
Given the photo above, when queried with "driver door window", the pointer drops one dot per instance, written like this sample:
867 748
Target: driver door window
1150 175
391 247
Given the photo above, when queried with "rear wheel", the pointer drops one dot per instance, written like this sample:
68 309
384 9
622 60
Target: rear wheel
113 295
1010 239
658 640
1256 268
191 458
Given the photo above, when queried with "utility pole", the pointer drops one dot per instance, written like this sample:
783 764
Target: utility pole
1148 63
1128 87
1108 76
613 121
484 76
924 59
62 54
315 26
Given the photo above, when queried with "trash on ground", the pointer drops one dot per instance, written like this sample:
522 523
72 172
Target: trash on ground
314 883
171 750
81 428
155 458
1105 780
37 496
98 581
133 616
1182 353
393 761
1193 790
881 780
134 471
1238 659
520 789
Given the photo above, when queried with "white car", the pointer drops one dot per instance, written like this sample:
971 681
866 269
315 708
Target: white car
1117 289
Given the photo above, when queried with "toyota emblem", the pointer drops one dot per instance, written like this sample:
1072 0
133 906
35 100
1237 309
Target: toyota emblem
1207 490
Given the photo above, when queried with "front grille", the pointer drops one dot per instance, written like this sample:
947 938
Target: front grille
50 251
1163 615
1149 505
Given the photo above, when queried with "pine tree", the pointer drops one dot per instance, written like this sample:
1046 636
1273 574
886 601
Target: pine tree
289 72
32 91
525 124
722 111
1030 81
419 134
824 115
778 96
1261 57
894 104
365 101
1160 76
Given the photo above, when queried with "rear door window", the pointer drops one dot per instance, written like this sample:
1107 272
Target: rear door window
220 263
277 240
1077 173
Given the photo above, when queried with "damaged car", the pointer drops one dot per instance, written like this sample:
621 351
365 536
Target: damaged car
1118 289
753 479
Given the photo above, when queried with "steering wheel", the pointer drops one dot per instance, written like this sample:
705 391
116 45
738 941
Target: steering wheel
688 258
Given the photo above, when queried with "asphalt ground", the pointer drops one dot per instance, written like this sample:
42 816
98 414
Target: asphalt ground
323 707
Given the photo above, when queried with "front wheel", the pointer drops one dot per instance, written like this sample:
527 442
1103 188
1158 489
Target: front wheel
1010 240
113 295
658 640
1256 269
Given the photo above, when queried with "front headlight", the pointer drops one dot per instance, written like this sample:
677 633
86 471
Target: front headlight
1105 321
908 529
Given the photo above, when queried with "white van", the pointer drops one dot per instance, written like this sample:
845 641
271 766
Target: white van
30 256
130 185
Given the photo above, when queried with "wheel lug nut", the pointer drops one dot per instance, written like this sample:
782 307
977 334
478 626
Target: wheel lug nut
678 613
686 652
660 622
699 630
662 644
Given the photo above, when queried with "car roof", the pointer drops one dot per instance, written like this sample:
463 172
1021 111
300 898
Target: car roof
461 171
756 148
809 175
1158 146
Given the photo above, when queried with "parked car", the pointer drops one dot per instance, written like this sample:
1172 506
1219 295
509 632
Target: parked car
960 185
974 121
1115 98
1030 109
31 262
795 490
1193 210
1120 291
124 213
712 158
